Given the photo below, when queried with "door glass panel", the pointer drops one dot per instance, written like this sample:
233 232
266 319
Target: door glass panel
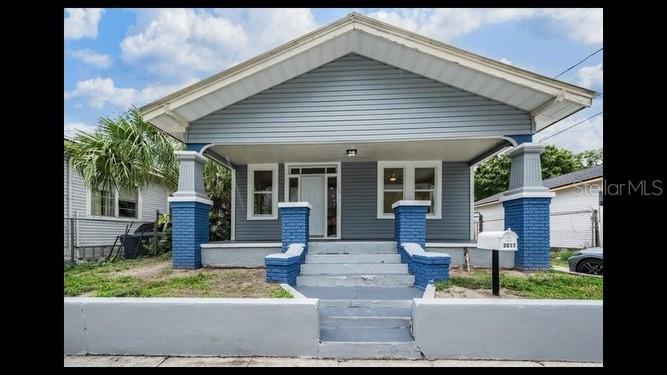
332 205
293 189
312 170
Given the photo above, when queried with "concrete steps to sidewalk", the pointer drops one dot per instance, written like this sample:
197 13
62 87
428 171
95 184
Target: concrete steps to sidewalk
365 308
357 280
373 321
352 247
353 268
380 258
369 350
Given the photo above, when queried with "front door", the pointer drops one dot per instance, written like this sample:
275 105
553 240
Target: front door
313 192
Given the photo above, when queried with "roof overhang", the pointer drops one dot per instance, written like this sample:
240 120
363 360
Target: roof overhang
548 100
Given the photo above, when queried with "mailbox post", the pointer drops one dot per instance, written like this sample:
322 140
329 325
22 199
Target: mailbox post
504 240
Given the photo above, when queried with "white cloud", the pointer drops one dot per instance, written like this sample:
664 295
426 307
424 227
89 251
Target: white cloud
98 92
582 25
185 42
590 77
89 57
72 128
82 22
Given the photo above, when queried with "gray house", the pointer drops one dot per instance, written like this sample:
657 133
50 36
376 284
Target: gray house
348 120
95 218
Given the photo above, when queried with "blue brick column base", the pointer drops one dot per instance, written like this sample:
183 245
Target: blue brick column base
409 226
529 219
294 222
430 268
189 231
282 270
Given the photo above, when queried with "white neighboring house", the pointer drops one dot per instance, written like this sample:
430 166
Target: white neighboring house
577 195
103 215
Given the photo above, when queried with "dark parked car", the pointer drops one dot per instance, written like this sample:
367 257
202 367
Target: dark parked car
587 261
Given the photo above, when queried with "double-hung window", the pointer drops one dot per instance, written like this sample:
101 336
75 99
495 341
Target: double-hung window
114 203
409 180
262 192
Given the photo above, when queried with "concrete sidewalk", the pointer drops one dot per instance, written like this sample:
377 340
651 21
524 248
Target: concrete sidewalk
157 361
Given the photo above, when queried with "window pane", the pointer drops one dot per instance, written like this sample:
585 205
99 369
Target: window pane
127 203
425 196
293 189
102 203
390 197
312 170
332 203
263 204
263 180
393 178
294 171
331 170
424 178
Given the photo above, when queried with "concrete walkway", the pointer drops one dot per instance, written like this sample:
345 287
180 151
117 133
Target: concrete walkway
157 361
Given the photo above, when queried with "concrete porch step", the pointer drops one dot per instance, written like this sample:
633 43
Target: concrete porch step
369 294
369 350
351 247
361 308
353 268
340 322
357 334
357 280
354 258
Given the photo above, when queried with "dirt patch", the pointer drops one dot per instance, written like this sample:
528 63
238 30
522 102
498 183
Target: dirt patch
148 271
460 292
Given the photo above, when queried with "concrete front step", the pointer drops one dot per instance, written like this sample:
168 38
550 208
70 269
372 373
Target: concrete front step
351 247
343 322
360 308
357 280
353 258
369 350
359 334
353 268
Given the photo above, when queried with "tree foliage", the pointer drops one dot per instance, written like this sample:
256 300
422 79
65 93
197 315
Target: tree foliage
492 176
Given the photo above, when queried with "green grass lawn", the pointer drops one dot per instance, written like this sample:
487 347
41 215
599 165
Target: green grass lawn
559 257
154 277
539 285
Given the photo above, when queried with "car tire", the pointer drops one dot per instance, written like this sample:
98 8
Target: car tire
590 266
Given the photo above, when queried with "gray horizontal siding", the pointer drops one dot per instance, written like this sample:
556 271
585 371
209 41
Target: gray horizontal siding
254 230
455 222
358 98
359 204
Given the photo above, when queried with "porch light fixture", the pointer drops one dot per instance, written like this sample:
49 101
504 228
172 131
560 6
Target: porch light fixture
351 153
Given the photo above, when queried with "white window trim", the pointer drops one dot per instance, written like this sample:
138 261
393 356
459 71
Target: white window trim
89 214
250 190
409 184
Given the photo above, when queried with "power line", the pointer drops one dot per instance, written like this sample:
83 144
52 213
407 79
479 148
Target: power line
569 127
575 65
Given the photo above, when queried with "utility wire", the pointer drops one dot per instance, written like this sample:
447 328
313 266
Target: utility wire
569 127
575 65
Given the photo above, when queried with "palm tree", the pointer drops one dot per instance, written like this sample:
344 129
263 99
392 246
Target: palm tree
127 153
124 154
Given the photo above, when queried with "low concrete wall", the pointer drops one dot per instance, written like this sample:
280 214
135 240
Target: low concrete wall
478 258
192 326
568 330
236 257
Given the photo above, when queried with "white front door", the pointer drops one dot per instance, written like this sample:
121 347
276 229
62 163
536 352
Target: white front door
312 191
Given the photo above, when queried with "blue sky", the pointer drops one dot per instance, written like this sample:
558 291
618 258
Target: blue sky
115 58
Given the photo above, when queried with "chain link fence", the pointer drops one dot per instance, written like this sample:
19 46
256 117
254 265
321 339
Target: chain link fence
95 238
575 229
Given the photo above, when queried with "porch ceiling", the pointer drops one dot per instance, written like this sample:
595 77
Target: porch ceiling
464 150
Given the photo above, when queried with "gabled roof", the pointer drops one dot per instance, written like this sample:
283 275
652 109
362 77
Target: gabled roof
548 100
558 181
